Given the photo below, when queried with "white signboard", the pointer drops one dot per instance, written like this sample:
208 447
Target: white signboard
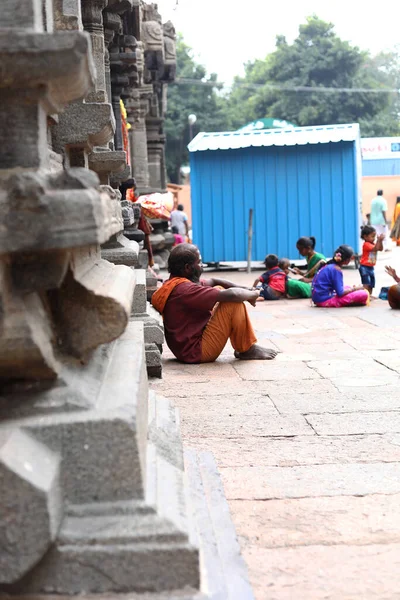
376 148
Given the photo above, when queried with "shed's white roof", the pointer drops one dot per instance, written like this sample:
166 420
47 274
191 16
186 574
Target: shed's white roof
275 137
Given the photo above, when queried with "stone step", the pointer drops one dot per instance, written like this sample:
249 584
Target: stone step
224 572
119 529
164 429
121 567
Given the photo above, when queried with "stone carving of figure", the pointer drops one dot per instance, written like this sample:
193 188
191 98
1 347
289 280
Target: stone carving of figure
153 41
169 51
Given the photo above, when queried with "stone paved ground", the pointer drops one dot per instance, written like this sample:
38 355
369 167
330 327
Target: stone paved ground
308 446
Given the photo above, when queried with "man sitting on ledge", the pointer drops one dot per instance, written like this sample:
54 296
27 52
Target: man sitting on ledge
194 332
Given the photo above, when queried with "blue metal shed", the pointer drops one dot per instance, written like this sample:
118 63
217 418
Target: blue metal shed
302 181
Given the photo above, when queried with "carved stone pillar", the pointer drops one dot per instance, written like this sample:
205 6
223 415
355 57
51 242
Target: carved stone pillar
92 18
137 109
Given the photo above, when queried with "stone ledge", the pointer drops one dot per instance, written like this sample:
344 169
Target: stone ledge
61 59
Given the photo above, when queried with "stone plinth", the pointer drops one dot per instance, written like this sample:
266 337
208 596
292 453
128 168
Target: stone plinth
131 509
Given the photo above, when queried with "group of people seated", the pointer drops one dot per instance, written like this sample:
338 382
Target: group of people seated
201 315
322 280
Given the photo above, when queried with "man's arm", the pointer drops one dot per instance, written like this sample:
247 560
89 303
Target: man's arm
213 281
187 227
384 215
238 295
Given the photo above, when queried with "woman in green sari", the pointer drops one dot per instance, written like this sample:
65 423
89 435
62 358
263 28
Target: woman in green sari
315 260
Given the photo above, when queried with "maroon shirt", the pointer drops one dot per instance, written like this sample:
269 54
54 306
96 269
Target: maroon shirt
186 314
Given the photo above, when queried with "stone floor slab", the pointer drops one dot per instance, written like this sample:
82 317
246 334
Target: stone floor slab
226 406
295 350
355 423
378 340
335 368
238 425
301 450
266 483
176 371
363 380
389 358
377 398
371 519
194 389
272 371
340 572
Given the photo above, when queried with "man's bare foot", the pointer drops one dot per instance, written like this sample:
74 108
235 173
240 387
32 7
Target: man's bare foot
260 299
256 353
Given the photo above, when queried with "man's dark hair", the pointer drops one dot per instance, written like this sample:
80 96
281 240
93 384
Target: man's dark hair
271 261
380 192
181 255
366 230
180 207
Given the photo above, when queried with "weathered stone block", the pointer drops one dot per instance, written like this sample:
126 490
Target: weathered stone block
121 251
153 361
30 502
61 60
72 212
89 124
139 296
143 259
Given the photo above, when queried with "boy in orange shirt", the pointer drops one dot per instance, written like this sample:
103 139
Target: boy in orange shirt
371 246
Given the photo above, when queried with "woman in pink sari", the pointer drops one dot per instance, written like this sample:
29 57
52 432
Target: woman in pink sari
328 289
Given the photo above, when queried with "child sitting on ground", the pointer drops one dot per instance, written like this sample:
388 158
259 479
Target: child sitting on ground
273 281
368 258
294 287
327 287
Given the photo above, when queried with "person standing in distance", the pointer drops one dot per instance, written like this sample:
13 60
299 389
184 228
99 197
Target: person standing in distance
378 217
180 221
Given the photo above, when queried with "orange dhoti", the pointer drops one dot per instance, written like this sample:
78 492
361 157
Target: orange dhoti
230 320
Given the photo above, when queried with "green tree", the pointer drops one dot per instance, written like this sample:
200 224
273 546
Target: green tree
318 59
385 67
185 99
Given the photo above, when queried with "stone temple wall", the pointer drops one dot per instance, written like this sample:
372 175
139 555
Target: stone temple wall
94 497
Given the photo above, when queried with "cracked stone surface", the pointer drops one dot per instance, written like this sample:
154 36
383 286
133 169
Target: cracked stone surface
308 445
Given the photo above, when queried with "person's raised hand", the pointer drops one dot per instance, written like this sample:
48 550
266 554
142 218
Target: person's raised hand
390 271
381 237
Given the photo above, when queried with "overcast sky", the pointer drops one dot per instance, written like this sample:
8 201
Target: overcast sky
226 33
